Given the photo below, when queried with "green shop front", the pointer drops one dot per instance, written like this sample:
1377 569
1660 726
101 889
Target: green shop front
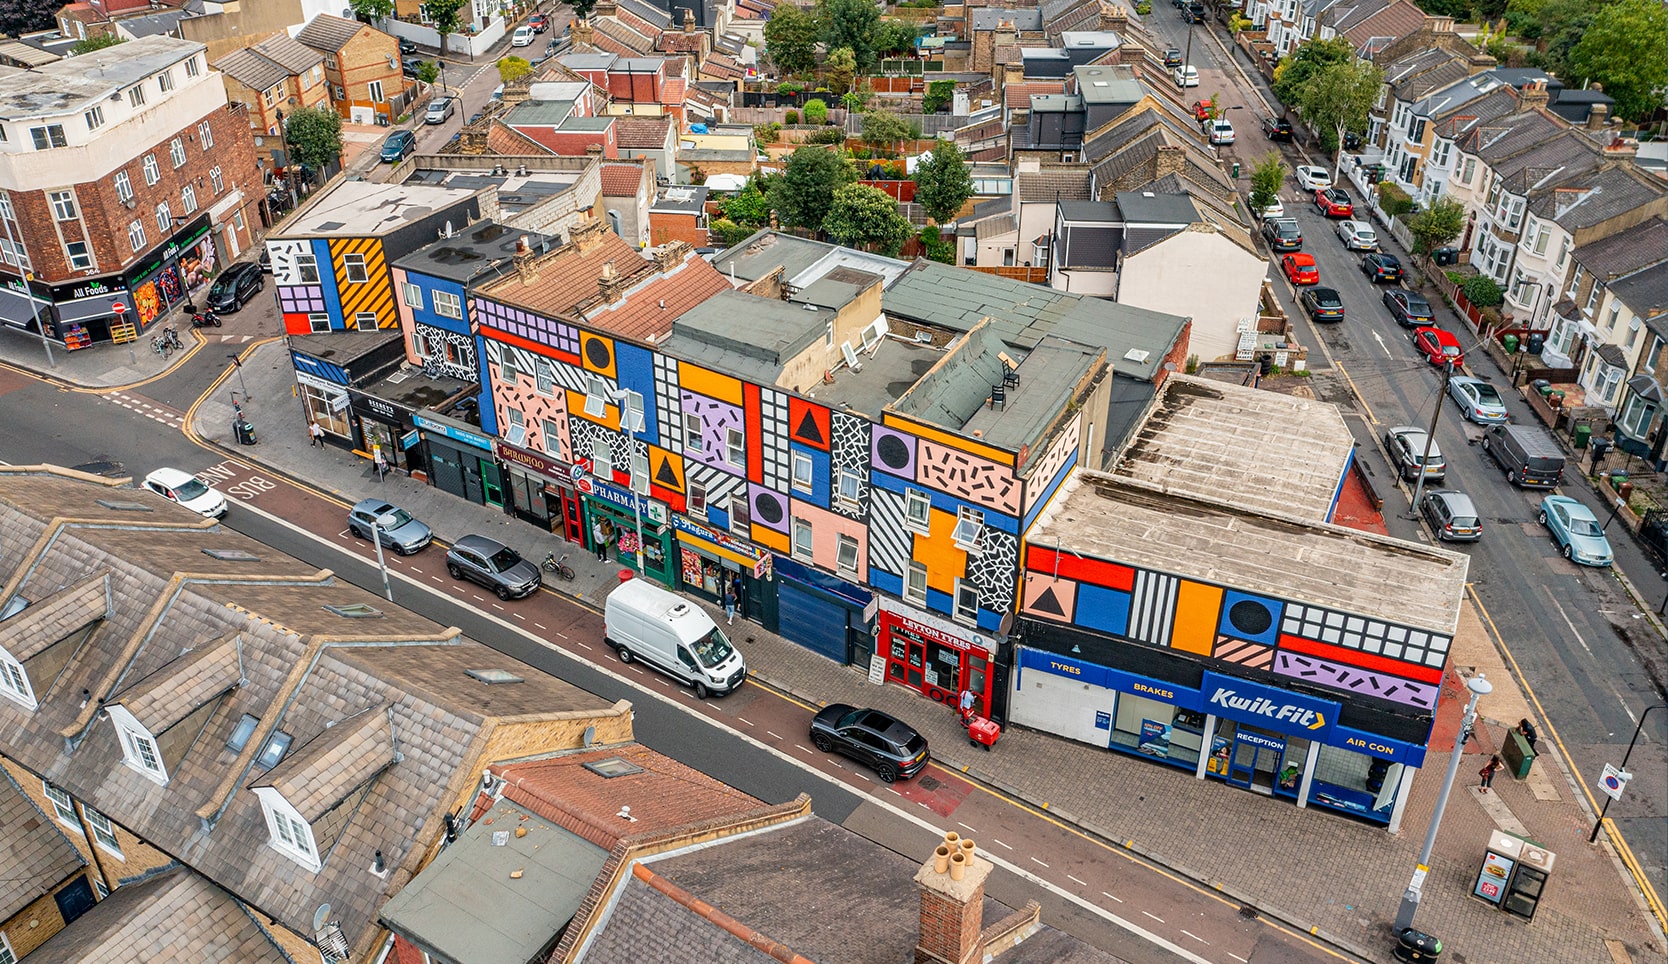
630 521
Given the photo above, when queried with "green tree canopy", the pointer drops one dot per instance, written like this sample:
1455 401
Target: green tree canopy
895 37
943 182
97 42
581 8
791 39
885 127
1299 67
1266 179
1338 98
867 217
850 23
1436 225
448 16
428 71
1626 50
370 11
314 135
839 70
816 111
513 68
939 95
805 190
18 17
749 208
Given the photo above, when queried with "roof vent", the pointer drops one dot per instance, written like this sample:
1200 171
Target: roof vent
493 677
1137 355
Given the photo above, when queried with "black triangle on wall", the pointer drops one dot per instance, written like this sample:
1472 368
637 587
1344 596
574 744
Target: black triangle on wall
665 476
1047 602
808 430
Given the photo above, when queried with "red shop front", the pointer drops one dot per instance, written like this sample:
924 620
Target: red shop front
933 656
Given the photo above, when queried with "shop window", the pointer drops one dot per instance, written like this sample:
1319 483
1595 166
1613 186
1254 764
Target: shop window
845 556
412 295
1157 730
1356 783
365 320
735 447
692 440
353 269
741 518
917 510
802 471
697 501
802 542
970 530
967 602
915 584
307 268
319 322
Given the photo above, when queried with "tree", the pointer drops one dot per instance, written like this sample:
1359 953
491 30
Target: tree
19 17
840 69
938 249
96 42
315 136
1297 69
428 72
805 190
850 23
791 39
727 234
513 68
581 8
942 181
1436 225
816 111
867 217
1623 50
1266 179
1337 99
749 208
447 16
857 98
895 37
370 11
939 95
885 127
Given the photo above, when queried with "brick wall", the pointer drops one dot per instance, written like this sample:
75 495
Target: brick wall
366 58
676 227
30 927
103 220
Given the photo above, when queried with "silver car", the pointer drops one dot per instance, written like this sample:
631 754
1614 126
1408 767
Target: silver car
1406 444
396 528
493 565
1452 515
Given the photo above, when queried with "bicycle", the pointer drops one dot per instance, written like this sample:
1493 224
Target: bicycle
558 566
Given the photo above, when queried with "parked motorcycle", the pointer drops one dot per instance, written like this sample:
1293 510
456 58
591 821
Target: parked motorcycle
205 319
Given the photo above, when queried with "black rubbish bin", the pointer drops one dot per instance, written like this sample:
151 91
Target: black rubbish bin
1445 256
1412 945
244 431
1536 341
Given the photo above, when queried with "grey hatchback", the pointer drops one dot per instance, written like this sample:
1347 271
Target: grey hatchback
493 565
398 529
1452 516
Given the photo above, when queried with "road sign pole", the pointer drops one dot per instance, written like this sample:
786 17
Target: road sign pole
1592 837
1479 688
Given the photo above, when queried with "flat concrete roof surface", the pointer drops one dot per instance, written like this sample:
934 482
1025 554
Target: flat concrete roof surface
1259 450
1105 517
367 208
68 85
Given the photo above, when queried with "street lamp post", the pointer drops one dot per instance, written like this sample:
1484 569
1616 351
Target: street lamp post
241 383
1479 688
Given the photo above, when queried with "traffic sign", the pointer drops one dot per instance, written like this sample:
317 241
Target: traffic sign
119 308
1614 781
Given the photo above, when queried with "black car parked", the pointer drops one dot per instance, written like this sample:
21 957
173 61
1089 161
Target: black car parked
1379 266
1277 129
1409 308
235 286
870 737
1283 234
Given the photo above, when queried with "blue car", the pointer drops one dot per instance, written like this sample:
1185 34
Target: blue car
1576 531
397 146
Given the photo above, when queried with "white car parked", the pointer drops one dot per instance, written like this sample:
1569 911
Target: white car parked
187 490
1358 235
1274 210
1221 132
1187 76
523 36
1311 178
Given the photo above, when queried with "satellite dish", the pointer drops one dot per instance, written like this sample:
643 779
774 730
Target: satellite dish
590 737
320 917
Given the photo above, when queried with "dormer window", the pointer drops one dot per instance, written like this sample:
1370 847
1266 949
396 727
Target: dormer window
311 797
139 749
287 832
160 717
14 682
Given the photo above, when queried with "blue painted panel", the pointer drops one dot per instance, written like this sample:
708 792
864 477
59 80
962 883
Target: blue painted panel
1104 609
884 581
1338 491
988 621
940 602
635 371
818 496
429 284
488 411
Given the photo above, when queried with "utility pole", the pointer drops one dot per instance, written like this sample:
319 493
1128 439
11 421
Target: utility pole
1479 688
1430 434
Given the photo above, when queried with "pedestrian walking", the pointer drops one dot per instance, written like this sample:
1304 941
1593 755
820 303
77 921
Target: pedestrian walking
1526 730
730 604
315 435
1488 771
965 705
735 587
381 465
599 534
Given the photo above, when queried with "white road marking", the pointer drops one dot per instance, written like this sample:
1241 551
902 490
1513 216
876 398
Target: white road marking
539 624
998 840
416 570
1378 338
1105 894
1038 862
1567 621
1197 938
802 748
965 827
519 616
562 634
496 606
745 720
773 733
1153 916
1083 882
1236 957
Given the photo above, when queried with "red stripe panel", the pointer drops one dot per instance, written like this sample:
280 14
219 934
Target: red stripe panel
755 434
1093 571
1355 657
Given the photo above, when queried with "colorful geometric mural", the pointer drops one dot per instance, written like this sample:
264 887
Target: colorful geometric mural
372 297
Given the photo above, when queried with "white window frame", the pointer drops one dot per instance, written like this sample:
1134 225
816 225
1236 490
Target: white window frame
164 218
916 570
808 550
63 205
846 547
544 378
188 198
124 186
631 412
63 809
964 588
741 521
165 81
697 501
602 459
351 261
640 473
412 295
103 831
850 488
307 268
914 498
176 152
360 319
735 446
448 305
217 179
205 135
806 481
153 171
136 235
692 439
82 261
287 833
139 749
7 955
374 90
191 68
969 534
94 116
319 322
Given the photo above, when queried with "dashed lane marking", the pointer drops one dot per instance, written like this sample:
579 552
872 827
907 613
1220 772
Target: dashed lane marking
1110 897
965 827
745 720
1153 916
519 616
1083 882
1197 937
773 733
1038 862
999 840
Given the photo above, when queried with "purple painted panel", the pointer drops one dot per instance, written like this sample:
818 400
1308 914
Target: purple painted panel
294 299
717 418
770 508
894 452
1349 678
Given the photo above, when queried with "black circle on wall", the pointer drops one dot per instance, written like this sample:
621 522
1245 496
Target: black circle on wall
894 454
1250 618
767 507
596 352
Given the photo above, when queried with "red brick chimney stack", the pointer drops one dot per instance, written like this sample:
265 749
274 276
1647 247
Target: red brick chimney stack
952 886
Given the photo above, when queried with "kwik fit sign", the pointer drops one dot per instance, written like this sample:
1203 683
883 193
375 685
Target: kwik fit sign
1268 707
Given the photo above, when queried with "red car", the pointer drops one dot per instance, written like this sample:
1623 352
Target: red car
1300 269
539 22
1334 203
1439 347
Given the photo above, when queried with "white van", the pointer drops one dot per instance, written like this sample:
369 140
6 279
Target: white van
673 635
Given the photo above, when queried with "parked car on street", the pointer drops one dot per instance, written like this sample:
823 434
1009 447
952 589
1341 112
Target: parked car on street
398 146
407 47
1322 304
1334 202
1409 308
235 286
1274 210
1357 236
1300 269
396 528
187 490
1203 110
871 737
539 22
1172 57
1221 132
1187 76
1379 266
1439 347
410 66
440 109
523 36
1277 129
1283 234
492 564
1311 178
1478 401
1452 516
1405 444
1576 531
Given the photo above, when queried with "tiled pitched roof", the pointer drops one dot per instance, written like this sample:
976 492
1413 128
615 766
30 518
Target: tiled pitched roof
629 17
646 12
51 619
1398 19
319 775
329 32
722 67
268 62
671 92
1065 184
615 37
648 310
678 42
36 854
641 133
621 180
1509 136
1018 95
1592 197
1625 251
177 915
180 686
288 54
569 275
506 141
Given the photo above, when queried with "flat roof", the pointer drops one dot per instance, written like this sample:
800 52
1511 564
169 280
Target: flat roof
688 199
68 85
367 208
746 335
887 373
1105 517
1196 439
801 259
1149 207
475 251
1049 378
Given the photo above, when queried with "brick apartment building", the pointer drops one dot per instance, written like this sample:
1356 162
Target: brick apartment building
125 178
361 65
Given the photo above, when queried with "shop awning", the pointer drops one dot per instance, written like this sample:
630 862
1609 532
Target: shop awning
85 308
728 555
18 309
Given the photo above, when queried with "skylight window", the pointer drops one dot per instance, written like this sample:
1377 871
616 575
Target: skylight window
356 611
276 746
120 506
613 767
231 555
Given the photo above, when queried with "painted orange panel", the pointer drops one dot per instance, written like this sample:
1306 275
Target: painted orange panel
703 381
808 423
1197 609
576 409
597 354
665 469
945 561
770 538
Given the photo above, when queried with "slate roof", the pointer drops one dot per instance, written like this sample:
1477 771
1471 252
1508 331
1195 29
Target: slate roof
268 62
1644 291
1416 75
1625 251
1555 157
327 32
1593 197
1395 20
48 620
36 854
647 12
648 309
326 769
569 275
1511 135
176 915
303 667
641 133
183 684
1064 183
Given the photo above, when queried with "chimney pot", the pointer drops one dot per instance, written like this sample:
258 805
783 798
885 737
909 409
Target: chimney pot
941 859
958 865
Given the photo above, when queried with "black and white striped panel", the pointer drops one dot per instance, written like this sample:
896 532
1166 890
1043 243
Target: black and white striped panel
1152 607
891 544
720 485
668 404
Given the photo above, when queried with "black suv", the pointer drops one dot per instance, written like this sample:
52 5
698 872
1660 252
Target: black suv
1277 128
1283 234
870 737
1194 13
236 285
1172 57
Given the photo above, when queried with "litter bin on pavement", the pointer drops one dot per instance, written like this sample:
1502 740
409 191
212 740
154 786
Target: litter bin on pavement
1412 945
1582 434
1517 755
243 431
